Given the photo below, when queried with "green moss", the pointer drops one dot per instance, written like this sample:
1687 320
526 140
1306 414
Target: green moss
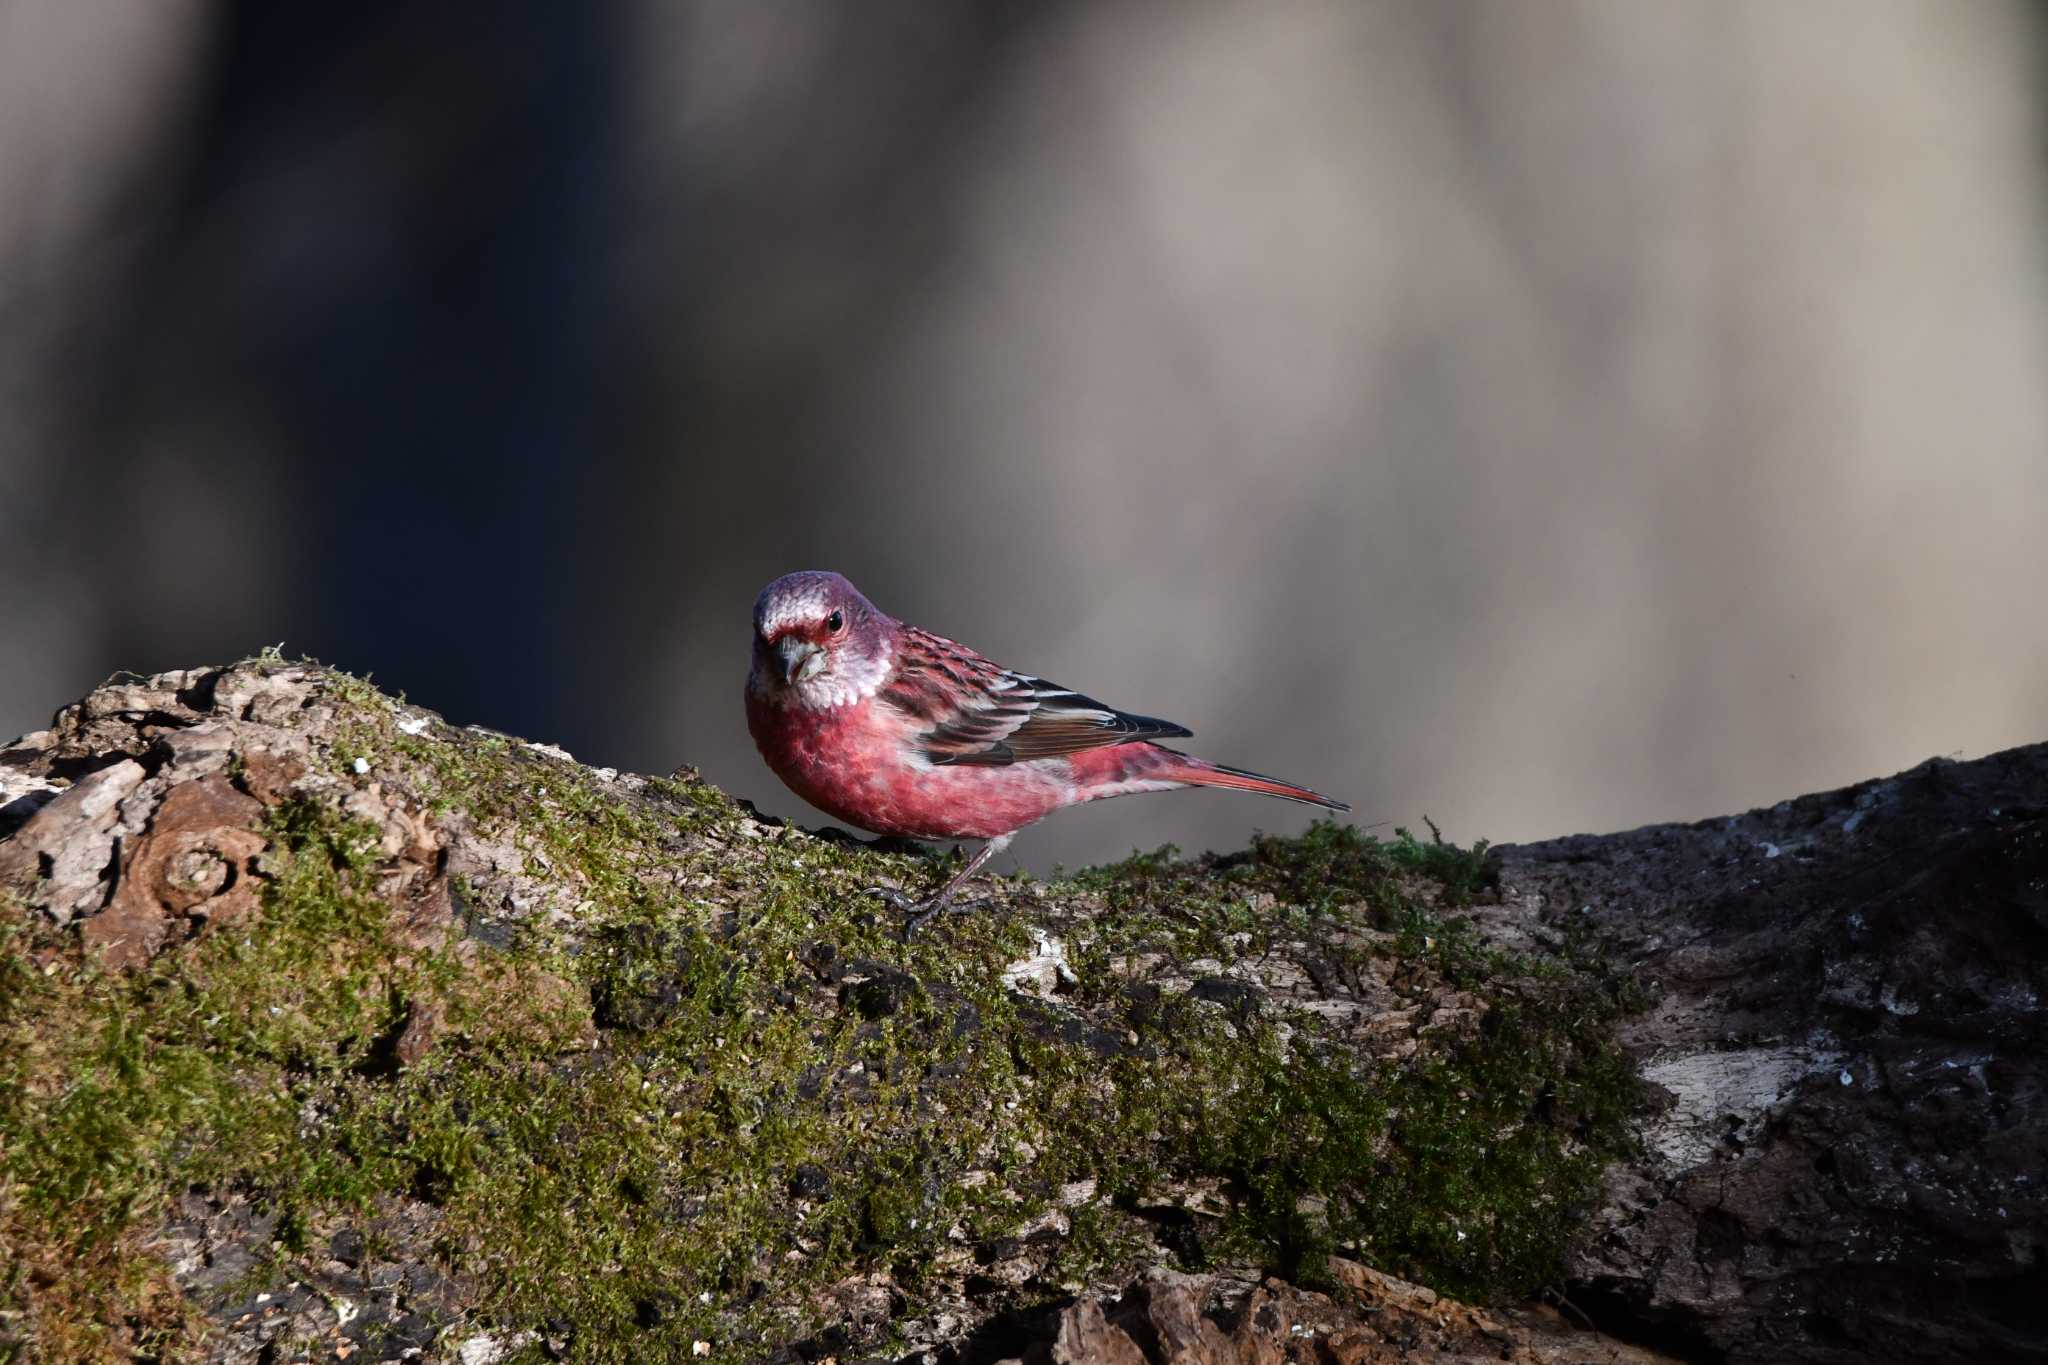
127 1089
1460 872
752 1122
1465 1167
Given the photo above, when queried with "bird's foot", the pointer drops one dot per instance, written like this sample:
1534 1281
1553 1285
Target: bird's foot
927 913
922 912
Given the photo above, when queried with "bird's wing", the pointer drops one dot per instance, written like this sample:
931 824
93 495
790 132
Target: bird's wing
978 713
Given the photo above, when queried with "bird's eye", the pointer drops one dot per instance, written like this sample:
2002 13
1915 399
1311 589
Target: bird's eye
836 622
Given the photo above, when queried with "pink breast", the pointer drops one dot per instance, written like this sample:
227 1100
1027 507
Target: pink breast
852 762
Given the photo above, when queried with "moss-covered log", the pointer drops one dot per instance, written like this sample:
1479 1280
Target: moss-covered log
328 1029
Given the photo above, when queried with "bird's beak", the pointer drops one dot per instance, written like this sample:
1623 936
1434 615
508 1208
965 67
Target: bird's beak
797 658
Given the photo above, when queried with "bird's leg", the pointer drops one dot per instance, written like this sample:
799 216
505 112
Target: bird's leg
939 899
923 911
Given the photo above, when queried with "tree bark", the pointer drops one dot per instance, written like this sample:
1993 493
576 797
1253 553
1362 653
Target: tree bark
1848 1030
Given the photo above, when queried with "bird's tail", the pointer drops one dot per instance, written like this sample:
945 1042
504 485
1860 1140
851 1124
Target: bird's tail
1199 772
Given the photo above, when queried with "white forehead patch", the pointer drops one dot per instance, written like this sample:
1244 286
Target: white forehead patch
792 609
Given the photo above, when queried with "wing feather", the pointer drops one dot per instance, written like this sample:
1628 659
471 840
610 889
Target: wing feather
981 714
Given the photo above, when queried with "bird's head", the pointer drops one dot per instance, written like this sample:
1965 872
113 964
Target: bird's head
817 641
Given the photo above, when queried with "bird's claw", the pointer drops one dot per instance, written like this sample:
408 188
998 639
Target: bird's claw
921 916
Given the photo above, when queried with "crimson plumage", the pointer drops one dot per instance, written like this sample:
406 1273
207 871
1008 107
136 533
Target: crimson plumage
901 731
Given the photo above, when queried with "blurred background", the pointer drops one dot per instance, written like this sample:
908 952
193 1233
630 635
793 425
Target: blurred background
1539 417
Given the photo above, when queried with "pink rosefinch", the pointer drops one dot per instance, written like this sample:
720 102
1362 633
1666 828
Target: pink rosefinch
903 732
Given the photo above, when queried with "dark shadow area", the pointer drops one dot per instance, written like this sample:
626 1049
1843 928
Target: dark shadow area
391 254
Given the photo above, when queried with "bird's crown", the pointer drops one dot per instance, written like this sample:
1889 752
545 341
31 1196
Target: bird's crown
802 599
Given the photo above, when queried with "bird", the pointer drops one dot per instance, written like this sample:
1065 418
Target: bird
903 732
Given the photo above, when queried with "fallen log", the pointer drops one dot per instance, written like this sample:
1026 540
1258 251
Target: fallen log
333 1028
